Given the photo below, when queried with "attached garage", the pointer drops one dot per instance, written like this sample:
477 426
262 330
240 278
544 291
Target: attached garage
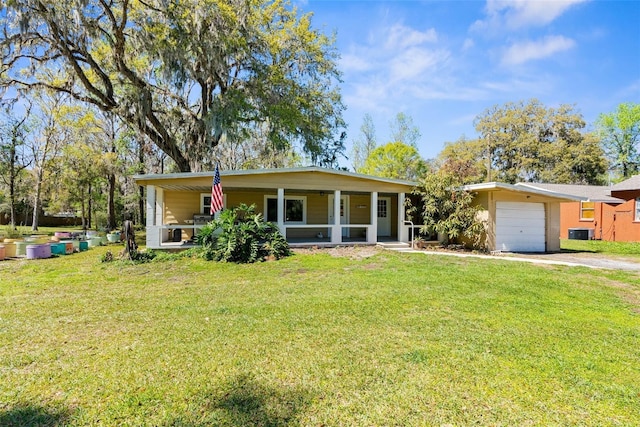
520 227
520 218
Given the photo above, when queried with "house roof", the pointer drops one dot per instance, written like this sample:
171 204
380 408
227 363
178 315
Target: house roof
630 184
519 188
305 178
593 193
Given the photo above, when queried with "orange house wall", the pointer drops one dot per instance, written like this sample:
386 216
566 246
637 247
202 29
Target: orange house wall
612 222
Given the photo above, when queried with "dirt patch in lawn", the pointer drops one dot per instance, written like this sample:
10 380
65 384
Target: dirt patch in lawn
352 252
629 293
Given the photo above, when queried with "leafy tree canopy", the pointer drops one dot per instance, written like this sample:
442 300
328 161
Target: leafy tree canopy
183 74
464 159
530 142
620 134
395 160
403 130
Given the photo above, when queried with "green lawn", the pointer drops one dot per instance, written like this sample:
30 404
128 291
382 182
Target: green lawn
317 340
601 247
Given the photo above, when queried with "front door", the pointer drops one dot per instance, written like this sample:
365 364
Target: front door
384 216
344 213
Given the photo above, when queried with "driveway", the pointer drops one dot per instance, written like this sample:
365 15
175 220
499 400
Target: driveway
588 259
574 259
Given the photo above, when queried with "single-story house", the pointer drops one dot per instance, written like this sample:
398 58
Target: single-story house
299 200
607 212
371 209
520 218
626 221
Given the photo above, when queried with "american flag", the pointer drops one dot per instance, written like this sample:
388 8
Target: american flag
216 193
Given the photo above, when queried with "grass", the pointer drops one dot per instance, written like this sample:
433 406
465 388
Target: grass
315 339
601 247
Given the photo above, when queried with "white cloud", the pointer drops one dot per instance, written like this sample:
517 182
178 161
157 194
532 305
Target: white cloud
517 14
390 64
352 62
468 44
400 37
414 63
522 52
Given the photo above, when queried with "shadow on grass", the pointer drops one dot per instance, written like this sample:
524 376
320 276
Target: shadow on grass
580 251
245 402
24 415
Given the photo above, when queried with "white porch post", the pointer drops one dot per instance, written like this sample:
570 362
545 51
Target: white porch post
153 232
159 220
403 234
372 233
280 221
336 230
151 205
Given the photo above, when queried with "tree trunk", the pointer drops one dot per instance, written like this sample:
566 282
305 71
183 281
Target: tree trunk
12 185
141 204
36 201
111 206
86 222
12 199
84 214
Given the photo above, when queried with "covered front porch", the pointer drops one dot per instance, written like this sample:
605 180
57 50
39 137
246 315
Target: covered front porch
301 202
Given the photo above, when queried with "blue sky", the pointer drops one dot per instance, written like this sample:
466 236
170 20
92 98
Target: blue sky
445 62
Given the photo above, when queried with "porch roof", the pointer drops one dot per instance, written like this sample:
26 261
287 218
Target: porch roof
307 178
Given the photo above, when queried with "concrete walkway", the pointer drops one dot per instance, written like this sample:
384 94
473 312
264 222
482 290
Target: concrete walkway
588 260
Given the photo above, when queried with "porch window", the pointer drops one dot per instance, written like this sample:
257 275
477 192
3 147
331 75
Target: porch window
295 209
205 203
588 210
638 209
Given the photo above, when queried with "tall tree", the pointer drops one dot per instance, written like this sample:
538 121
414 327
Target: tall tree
183 73
464 159
364 144
530 142
403 130
48 132
395 160
255 151
13 158
620 135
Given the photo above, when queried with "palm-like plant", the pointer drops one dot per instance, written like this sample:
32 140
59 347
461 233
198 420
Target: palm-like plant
241 235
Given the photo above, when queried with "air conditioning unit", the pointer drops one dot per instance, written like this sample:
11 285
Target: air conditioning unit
582 233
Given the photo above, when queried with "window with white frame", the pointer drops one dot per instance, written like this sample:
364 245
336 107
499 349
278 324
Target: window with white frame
295 209
205 203
638 209
587 210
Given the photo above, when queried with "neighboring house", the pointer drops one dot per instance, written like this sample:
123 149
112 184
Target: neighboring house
371 209
299 200
611 212
627 219
598 213
520 218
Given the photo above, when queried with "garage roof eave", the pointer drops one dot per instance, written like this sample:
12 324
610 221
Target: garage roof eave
495 186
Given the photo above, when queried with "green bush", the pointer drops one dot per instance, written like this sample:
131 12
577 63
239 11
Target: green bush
241 235
448 210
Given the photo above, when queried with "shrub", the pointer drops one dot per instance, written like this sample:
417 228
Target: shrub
107 257
241 235
448 209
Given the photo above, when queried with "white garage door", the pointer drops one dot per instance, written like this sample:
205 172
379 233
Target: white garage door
520 227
